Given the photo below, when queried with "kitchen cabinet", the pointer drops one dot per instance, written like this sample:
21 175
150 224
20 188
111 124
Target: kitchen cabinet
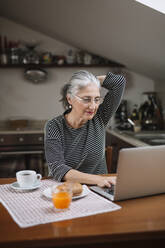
117 144
20 150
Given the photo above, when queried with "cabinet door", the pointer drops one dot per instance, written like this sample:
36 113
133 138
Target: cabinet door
116 144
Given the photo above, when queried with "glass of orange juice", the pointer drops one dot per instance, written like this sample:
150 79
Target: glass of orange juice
61 197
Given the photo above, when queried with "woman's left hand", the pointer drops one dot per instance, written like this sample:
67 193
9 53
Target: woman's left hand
101 78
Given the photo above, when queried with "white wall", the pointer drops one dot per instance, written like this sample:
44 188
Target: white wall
136 85
19 97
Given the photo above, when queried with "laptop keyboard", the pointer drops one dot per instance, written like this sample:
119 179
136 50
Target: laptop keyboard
106 192
109 190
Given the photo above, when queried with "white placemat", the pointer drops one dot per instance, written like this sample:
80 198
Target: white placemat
33 208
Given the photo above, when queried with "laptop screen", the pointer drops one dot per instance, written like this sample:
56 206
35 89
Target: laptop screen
140 172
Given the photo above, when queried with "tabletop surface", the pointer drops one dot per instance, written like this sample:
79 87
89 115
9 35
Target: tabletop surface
138 219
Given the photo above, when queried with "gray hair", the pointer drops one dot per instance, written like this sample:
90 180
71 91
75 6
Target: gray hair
79 80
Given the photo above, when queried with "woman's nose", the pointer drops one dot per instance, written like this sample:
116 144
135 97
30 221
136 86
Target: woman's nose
92 105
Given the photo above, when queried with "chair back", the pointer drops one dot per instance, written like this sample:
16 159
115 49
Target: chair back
108 154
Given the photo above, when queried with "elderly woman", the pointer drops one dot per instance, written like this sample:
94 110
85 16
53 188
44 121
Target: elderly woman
75 140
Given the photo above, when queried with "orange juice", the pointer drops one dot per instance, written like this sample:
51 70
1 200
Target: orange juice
61 200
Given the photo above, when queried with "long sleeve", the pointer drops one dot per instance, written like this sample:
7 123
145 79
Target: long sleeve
54 153
115 85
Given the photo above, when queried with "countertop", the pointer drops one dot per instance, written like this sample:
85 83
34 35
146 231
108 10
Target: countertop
37 127
34 126
128 136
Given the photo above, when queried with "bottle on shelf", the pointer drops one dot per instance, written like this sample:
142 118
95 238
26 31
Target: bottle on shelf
135 117
3 51
14 53
0 48
70 58
135 113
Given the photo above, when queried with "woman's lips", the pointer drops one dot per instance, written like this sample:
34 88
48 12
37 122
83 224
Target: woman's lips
90 112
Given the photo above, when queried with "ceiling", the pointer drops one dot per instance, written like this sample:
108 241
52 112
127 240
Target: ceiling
121 30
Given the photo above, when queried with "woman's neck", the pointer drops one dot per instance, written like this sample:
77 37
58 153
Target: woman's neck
73 121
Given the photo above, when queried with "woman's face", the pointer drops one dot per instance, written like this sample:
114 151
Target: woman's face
86 102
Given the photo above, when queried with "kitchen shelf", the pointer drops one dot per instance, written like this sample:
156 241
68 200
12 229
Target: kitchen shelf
61 66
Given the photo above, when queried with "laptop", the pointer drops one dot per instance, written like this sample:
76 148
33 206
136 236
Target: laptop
140 172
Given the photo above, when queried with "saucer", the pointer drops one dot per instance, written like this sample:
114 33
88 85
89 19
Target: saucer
16 186
47 192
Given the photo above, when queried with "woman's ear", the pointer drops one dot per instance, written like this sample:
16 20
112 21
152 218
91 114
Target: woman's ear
69 99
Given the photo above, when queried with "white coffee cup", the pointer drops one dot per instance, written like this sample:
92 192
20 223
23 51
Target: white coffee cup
27 178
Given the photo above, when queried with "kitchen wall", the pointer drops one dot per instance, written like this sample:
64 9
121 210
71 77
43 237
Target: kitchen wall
19 97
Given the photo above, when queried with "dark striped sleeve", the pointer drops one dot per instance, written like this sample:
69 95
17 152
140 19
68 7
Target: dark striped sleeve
54 152
115 85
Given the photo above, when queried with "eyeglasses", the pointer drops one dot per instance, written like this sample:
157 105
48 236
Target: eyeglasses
87 100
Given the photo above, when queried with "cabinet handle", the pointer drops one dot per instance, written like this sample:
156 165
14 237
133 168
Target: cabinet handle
2 140
40 138
21 139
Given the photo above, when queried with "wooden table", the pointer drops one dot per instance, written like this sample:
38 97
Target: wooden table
140 223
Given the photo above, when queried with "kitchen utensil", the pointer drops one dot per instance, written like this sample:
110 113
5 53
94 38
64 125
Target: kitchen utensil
35 75
131 122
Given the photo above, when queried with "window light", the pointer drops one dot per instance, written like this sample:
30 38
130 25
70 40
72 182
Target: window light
158 5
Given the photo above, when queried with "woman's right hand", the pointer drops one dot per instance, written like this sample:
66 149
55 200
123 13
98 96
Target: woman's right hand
101 181
105 181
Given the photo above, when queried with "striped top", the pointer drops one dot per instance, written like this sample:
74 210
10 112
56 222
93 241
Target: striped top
83 148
